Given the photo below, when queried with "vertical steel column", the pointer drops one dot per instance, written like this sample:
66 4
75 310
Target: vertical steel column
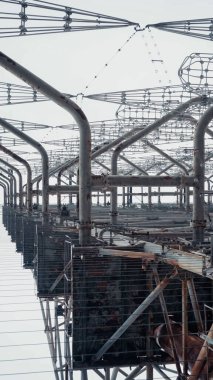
195 304
70 183
85 141
149 197
141 196
114 373
198 220
184 326
123 197
149 346
29 174
45 164
37 188
159 198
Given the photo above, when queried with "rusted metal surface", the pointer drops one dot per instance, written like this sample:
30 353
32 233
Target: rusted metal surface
199 359
193 262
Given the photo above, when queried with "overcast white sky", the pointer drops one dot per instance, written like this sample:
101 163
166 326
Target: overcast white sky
70 61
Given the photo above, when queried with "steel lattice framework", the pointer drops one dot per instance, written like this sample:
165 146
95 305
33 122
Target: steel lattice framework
41 17
17 94
198 28
165 97
24 125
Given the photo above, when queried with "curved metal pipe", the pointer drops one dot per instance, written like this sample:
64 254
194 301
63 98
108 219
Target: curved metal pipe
45 164
175 113
5 192
14 184
199 165
29 174
85 140
9 182
20 180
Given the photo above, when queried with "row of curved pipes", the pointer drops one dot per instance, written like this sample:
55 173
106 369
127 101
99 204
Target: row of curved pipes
87 182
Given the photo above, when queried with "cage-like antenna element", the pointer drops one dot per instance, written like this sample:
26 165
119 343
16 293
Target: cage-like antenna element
198 28
20 18
196 73
17 94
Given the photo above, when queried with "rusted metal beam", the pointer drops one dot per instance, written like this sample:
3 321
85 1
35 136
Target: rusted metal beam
193 262
202 356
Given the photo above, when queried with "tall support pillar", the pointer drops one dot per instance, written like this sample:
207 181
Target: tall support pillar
198 220
149 368
105 198
70 183
184 325
141 196
123 197
159 197
195 304
84 374
150 197
181 199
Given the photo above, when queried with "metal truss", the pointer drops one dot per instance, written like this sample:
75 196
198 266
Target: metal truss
21 18
198 28
175 132
16 94
57 329
60 313
24 125
155 97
